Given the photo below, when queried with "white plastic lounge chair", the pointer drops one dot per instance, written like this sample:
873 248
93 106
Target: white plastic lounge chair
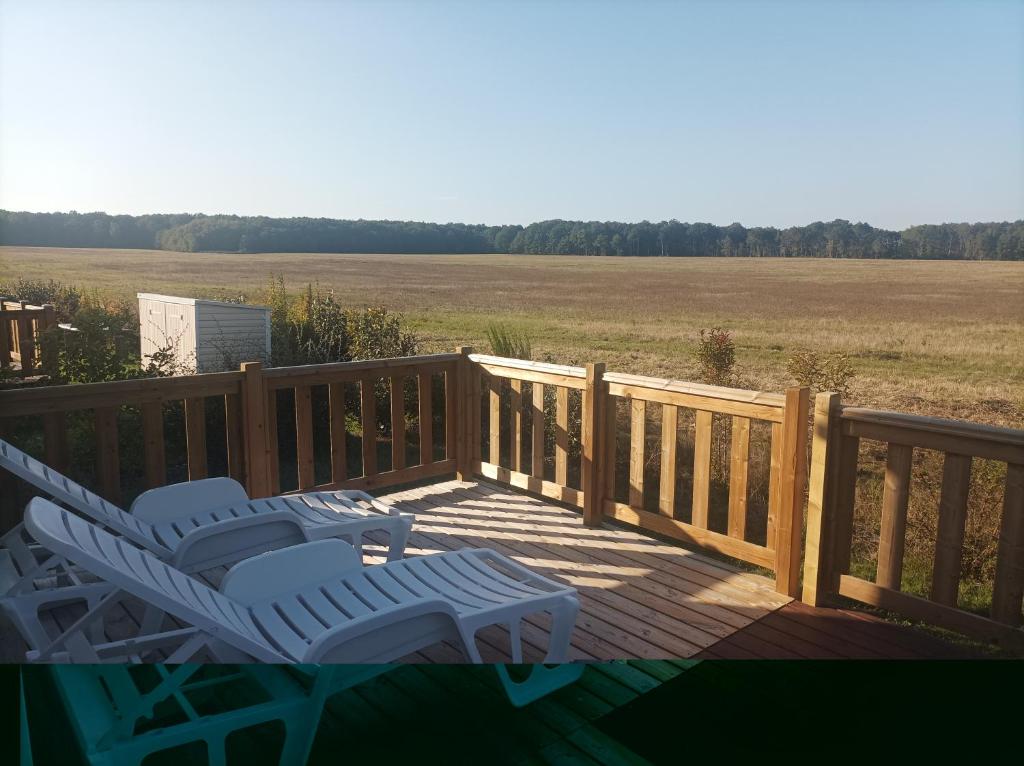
308 603
194 525
201 524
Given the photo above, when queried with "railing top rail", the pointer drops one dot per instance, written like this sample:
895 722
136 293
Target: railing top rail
75 396
369 365
698 389
1013 437
523 364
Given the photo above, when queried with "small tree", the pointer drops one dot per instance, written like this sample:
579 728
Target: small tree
822 372
716 356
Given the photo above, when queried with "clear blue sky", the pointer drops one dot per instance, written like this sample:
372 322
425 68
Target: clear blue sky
763 113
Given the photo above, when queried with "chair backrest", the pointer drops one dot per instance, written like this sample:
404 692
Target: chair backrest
143 575
60 487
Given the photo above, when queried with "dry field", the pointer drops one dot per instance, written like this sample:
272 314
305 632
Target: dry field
942 338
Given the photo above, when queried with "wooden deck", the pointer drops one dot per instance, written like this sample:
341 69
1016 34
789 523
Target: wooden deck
640 598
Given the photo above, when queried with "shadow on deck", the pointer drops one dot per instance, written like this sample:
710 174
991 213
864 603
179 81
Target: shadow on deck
640 597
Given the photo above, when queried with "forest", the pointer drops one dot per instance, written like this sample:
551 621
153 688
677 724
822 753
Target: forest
258 234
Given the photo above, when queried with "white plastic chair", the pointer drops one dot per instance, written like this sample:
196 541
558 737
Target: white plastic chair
309 603
194 525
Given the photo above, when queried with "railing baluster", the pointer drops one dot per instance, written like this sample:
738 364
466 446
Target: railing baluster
739 459
1009 580
304 436
108 460
774 498
669 440
153 444
234 436
55 438
257 416
451 418
195 437
892 533
637 449
464 420
592 435
537 431
368 413
494 421
701 469
339 457
949 542
561 435
273 454
426 416
515 458
397 387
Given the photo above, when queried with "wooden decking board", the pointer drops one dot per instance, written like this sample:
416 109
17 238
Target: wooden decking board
634 621
720 595
641 598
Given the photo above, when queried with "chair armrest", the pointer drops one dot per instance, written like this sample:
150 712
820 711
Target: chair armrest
163 504
377 505
288 570
387 636
231 540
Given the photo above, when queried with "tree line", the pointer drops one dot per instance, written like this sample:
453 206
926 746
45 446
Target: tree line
257 234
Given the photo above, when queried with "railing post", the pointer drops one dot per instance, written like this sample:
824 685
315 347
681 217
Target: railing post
257 447
818 555
5 337
26 343
47 353
464 415
793 481
592 436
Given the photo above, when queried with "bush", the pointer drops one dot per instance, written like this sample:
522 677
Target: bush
822 372
103 346
315 329
509 342
66 299
716 356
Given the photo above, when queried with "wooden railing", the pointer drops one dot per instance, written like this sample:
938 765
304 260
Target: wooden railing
249 401
20 327
576 434
838 432
596 430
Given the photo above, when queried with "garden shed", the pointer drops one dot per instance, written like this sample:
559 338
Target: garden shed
203 335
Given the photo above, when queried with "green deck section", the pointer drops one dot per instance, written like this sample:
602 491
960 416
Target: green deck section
414 713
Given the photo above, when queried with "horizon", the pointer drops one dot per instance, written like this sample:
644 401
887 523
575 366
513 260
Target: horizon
688 222
771 115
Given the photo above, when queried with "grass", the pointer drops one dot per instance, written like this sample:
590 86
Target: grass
941 338
935 338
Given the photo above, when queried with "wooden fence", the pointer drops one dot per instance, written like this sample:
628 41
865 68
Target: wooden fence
597 432
838 432
20 327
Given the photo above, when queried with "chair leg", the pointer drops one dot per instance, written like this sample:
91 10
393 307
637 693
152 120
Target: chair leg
516 640
397 540
563 618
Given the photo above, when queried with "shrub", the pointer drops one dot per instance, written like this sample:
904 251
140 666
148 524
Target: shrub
103 346
822 372
316 329
509 342
66 299
716 356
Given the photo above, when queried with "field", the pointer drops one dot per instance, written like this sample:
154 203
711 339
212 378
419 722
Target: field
940 338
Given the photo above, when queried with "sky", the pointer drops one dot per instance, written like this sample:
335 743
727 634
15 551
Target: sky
766 113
